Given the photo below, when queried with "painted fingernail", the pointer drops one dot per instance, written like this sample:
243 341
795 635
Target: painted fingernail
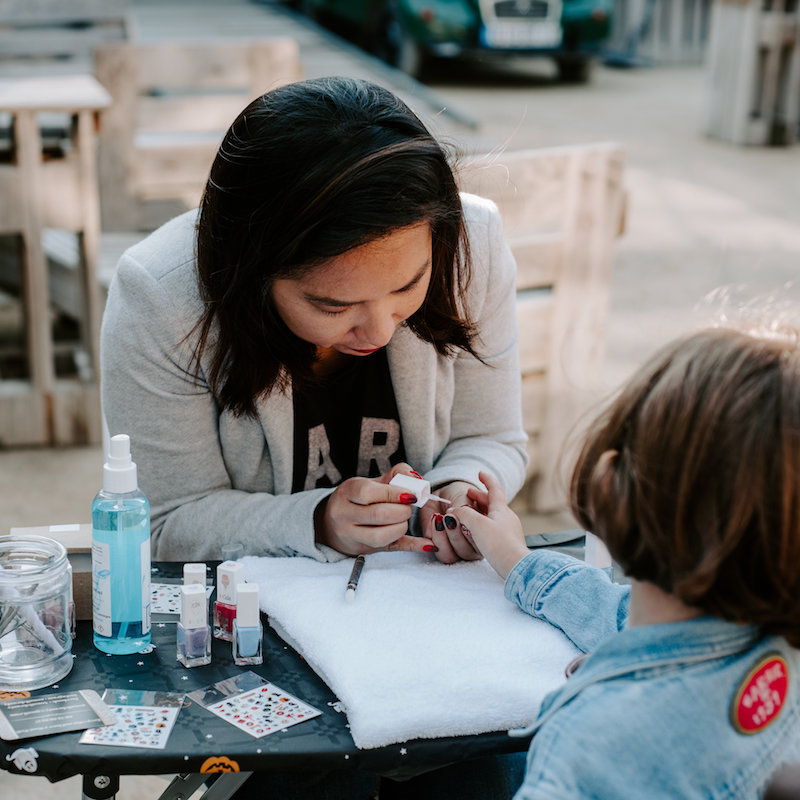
438 522
450 521
407 498
466 531
416 474
431 548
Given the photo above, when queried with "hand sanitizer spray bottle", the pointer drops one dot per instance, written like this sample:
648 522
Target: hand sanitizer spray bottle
120 556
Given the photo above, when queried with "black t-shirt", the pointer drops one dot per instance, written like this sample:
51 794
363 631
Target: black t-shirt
347 426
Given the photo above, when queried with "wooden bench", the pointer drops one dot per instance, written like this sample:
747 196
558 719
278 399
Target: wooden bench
562 210
33 31
38 405
172 103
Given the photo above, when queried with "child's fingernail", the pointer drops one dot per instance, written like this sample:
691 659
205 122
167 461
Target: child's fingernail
450 521
465 530
407 498
438 522
416 474
431 548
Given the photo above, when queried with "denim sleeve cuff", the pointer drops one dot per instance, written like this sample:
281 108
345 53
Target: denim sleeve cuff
534 574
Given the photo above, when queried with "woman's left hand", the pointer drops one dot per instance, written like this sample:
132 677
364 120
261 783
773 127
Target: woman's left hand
443 529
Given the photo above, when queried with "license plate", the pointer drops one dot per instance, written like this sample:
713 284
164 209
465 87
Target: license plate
514 34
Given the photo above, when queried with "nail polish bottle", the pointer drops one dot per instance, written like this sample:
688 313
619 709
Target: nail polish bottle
247 630
420 488
194 636
194 573
229 574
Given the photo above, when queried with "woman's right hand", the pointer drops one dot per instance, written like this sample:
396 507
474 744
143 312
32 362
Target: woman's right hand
365 515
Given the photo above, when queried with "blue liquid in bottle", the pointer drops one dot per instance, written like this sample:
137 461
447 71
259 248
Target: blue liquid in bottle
120 557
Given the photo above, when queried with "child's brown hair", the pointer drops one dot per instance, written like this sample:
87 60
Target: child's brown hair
692 476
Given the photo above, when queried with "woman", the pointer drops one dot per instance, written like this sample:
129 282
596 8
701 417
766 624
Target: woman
335 313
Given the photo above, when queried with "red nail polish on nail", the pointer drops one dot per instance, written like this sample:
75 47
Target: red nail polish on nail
407 498
438 522
431 548
416 474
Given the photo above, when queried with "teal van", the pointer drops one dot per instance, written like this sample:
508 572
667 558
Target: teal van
408 33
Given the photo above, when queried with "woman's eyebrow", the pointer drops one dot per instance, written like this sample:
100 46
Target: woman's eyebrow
336 303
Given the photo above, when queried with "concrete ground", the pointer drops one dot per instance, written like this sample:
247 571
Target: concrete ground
711 227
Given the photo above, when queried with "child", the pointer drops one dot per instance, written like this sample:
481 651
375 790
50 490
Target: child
691 685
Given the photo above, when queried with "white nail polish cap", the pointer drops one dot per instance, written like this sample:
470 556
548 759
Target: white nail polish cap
194 606
194 573
247 610
229 574
418 486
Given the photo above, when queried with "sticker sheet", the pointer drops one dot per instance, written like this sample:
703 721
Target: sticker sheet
254 705
144 719
165 600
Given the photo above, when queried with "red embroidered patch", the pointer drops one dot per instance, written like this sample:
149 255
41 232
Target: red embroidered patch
760 695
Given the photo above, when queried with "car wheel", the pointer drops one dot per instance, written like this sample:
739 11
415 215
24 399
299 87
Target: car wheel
573 69
400 49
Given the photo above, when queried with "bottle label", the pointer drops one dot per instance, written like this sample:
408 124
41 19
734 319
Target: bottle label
146 591
101 588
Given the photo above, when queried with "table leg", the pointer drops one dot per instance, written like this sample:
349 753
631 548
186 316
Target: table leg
100 787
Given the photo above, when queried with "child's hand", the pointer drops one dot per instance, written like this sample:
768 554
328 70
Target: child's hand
493 526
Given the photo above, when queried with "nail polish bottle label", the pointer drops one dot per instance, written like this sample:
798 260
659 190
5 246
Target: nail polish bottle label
224 615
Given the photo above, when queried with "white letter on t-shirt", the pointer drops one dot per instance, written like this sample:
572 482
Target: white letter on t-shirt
373 428
319 459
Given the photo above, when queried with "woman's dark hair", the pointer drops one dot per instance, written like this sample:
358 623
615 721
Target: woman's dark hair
692 476
306 172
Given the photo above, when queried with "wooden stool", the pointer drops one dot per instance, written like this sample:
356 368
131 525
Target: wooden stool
40 192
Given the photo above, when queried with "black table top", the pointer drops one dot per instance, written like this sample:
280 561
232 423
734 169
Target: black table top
321 743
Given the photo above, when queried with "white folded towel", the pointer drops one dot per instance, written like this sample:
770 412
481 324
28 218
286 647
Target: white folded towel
424 650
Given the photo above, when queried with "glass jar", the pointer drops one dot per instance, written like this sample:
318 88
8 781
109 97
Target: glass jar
35 612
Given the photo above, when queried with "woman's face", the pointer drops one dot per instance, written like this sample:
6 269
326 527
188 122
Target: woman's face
353 302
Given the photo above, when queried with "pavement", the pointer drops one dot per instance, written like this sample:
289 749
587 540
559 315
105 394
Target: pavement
711 228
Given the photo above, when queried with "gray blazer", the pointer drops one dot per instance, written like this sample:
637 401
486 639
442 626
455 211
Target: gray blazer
213 477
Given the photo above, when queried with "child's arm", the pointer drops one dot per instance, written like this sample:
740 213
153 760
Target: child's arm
580 600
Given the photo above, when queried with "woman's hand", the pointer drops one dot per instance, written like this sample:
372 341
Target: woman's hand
364 515
443 529
494 528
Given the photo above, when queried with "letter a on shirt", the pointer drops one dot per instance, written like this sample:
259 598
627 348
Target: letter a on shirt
320 464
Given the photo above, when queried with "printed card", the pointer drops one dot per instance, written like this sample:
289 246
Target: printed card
23 717
254 705
144 719
165 600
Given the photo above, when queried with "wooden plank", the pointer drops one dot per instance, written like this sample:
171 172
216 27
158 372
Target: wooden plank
77 418
116 68
59 11
12 192
527 185
539 258
61 42
188 113
68 93
534 401
534 319
24 415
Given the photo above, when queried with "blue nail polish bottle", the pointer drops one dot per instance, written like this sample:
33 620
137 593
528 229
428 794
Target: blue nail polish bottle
247 630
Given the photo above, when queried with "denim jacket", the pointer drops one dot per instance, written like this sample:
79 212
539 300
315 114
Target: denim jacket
702 708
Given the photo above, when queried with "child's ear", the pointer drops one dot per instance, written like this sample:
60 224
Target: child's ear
604 471
610 494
